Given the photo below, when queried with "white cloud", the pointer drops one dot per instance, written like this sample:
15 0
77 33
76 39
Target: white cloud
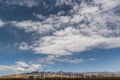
39 16
21 66
66 45
108 4
27 3
52 59
31 3
89 26
74 61
67 2
31 26
23 46
49 60
92 59
76 19
2 23
27 25
89 9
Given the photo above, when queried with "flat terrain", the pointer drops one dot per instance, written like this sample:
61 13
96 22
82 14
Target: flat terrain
58 77
88 78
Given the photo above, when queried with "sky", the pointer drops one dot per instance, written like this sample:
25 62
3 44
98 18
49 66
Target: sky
59 35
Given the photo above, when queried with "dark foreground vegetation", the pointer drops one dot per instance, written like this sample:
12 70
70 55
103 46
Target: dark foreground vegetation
87 78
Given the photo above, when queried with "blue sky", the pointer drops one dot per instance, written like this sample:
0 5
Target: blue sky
67 35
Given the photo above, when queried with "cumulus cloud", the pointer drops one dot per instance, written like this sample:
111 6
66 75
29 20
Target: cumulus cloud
93 25
21 66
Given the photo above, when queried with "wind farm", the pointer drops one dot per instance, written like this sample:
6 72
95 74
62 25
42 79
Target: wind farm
64 76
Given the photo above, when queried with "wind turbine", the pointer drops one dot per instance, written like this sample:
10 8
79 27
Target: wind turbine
44 70
84 75
61 75
73 75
